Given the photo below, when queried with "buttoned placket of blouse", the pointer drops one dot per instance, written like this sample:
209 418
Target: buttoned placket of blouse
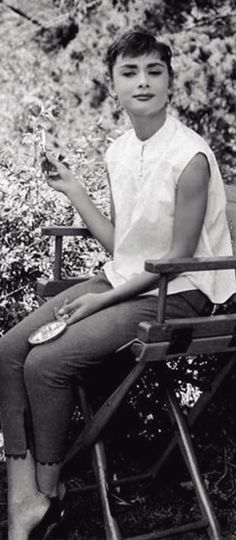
141 161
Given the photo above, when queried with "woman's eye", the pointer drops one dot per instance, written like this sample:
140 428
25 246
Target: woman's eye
128 73
154 72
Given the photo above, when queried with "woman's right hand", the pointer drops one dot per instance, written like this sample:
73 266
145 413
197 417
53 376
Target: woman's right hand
58 176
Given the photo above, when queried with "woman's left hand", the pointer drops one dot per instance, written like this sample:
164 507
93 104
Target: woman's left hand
82 307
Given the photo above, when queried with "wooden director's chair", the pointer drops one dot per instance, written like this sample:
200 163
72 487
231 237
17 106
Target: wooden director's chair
156 344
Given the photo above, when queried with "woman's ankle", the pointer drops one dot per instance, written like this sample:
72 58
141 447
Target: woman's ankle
61 490
48 479
55 491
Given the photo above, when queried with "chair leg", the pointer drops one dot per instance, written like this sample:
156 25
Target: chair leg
191 462
100 470
195 412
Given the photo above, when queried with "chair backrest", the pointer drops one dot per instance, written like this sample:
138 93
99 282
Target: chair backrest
231 212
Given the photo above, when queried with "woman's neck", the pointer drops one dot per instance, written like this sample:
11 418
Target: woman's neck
145 127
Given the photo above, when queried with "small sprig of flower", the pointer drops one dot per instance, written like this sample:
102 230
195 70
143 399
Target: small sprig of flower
36 138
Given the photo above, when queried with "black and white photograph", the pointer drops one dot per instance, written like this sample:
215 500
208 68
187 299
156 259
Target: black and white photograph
117 270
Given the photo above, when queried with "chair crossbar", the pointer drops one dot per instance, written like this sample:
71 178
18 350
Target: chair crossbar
183 345
192 526
119 482
194 327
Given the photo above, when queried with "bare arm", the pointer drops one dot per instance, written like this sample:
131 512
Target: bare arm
190 210
100 226
191 203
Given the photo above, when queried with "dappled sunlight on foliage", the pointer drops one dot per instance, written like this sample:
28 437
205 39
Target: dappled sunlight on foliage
27 204
54 93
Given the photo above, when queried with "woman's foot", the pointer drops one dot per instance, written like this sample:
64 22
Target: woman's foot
54 516
25 515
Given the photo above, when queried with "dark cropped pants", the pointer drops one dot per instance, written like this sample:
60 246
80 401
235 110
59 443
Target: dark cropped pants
36 394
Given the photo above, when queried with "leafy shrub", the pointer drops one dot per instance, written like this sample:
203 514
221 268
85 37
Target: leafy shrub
27 204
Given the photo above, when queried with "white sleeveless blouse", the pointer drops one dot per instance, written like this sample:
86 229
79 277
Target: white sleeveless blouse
144 176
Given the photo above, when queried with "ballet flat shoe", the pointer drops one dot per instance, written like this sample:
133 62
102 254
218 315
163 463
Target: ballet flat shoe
53 517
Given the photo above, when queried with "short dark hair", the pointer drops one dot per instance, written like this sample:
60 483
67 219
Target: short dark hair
134 43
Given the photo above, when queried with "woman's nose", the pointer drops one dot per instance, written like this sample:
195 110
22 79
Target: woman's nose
143 79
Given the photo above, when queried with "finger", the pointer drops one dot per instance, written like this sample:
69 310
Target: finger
60 163
59 311
53 183
67 308
52 176
49 156
65 303
48 167
75 317
49 149
56 314
45 165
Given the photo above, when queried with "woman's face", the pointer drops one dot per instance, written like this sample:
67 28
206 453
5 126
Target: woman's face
141 83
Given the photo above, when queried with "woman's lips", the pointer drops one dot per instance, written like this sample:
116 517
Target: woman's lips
143 97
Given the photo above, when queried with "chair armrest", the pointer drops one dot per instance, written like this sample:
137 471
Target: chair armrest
58 230
46 288
187 264
176 266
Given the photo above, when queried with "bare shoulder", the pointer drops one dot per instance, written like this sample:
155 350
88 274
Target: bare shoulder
198 166
194 180
196 174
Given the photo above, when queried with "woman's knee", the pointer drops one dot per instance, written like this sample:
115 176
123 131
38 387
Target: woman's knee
14 348
34 367
9 360
40 368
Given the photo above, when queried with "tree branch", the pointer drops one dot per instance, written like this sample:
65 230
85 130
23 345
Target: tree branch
22 13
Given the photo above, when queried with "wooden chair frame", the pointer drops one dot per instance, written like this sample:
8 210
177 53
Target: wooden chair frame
157 342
